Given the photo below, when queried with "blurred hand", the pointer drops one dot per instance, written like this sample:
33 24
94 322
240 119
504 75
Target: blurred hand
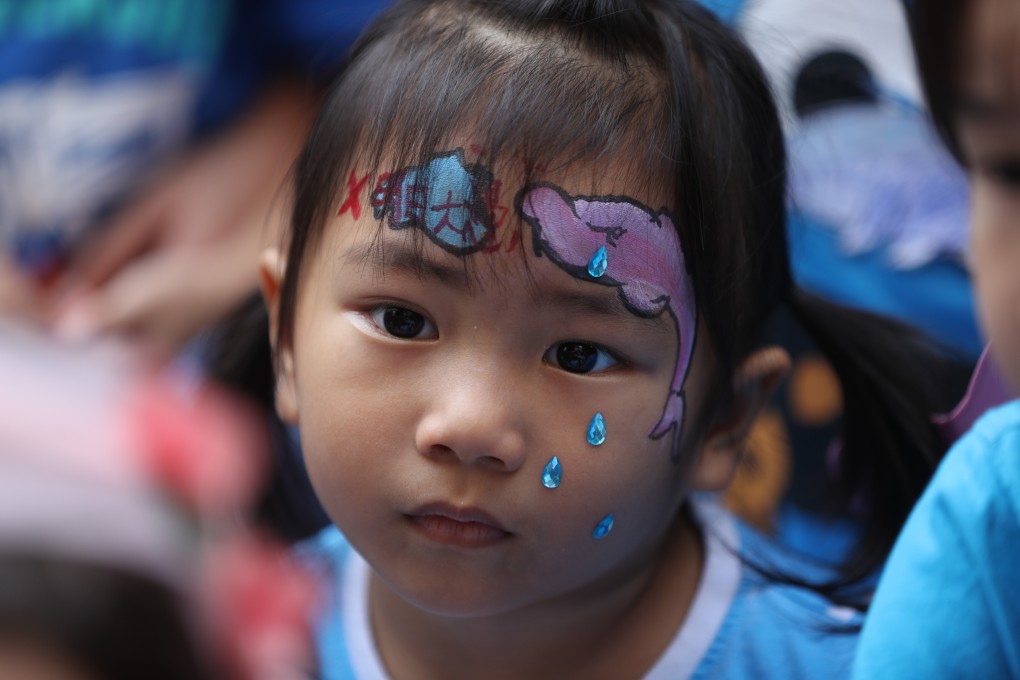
185 252
162 298
19 296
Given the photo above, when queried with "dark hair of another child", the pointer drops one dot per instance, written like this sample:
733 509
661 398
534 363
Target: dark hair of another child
935 30
114 624
664 84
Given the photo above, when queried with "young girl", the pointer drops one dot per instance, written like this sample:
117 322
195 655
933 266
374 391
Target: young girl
949 602
533 250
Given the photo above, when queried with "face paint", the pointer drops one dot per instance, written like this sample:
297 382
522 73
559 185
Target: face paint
552 473
598 263
603 528
596 435
644 261
447 199
352 203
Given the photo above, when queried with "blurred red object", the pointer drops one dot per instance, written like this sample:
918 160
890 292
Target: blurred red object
200 443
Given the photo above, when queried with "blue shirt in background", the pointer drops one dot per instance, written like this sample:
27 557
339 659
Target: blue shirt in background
948 604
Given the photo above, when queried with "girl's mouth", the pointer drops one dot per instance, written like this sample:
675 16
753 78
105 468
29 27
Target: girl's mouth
461 527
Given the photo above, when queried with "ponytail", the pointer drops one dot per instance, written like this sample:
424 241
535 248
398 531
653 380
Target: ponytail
891 376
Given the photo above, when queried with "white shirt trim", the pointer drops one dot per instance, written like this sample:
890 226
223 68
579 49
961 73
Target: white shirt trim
363 653
720 580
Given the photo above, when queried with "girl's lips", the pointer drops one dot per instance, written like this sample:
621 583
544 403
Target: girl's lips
463 527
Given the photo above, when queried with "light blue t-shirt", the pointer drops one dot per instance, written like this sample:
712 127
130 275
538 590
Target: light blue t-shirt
739 625
948 604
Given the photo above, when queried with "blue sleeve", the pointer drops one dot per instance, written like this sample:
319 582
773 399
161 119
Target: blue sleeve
948 604
777 630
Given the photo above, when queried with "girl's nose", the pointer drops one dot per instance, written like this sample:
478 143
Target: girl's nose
474 419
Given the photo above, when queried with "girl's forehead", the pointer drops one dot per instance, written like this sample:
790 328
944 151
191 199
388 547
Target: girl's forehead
508 170
465 203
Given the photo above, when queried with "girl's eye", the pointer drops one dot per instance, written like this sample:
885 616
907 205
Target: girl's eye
1000 170
580 357
1006 173
401 322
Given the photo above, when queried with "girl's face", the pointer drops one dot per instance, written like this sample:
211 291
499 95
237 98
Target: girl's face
989 130
434 386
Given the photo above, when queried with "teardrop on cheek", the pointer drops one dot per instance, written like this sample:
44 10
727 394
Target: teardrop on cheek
603 528
597 430
552 474
598 263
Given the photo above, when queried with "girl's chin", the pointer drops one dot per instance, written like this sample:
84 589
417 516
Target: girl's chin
453 598
457 604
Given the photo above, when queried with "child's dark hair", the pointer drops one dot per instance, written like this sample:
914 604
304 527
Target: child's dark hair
935 29
664 84
114 624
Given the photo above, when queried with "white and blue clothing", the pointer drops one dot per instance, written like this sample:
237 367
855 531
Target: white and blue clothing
739 625
948 603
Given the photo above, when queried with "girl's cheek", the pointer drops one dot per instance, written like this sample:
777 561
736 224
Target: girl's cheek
995 267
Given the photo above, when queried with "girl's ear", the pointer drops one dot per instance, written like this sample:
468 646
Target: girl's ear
271 269
755 380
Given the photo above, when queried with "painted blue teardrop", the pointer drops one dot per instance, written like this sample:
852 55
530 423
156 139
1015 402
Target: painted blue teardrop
597 430
552 475
598 263
604 527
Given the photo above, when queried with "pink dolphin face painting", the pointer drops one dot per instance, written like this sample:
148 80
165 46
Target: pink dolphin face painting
645 262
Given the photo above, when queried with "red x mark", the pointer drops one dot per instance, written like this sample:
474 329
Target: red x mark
353 200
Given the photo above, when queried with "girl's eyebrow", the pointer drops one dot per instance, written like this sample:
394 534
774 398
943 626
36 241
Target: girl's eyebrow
579 302
402 258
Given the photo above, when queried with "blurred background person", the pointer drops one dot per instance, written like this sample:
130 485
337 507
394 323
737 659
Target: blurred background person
125 550
948 603
142 144
878 220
